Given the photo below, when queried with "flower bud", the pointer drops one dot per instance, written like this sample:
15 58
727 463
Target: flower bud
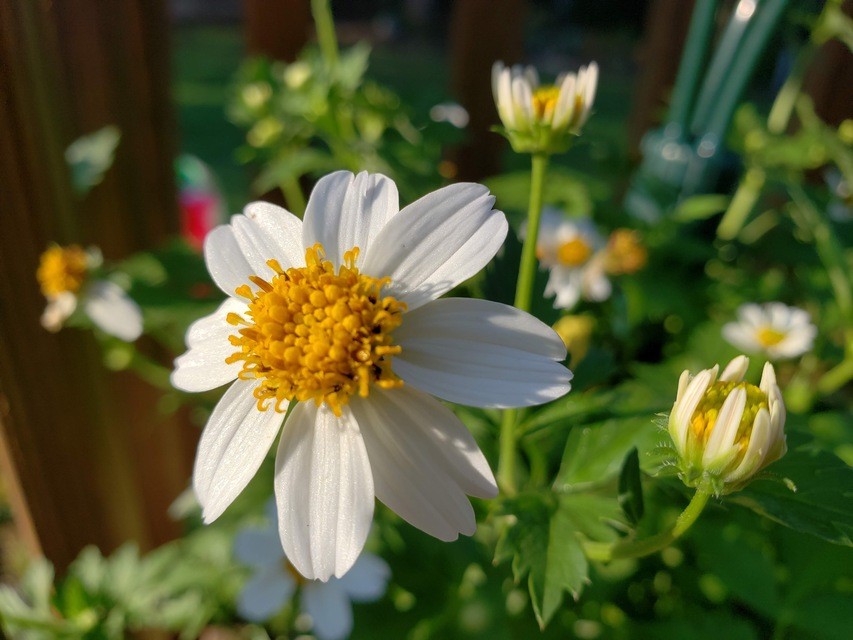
726 430
542 118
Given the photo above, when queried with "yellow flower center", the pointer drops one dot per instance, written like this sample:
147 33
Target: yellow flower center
62 269
574 253
313 334
545 100
705 416
769 337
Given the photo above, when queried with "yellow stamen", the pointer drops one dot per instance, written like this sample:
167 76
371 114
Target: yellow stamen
62 269
574 253
705 416
544 101
769 337
313 334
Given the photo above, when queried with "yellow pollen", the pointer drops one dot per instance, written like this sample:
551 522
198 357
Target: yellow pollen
769 337
62 269
545 100
574 253
705 416
313 334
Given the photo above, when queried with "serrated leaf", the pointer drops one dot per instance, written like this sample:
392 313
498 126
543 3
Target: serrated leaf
630 487
820 506
595 453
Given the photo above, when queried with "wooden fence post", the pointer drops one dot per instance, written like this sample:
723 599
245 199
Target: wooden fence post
89 457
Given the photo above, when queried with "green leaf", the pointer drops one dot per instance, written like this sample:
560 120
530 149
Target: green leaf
594 454
90 156
700 207
821 505
630 488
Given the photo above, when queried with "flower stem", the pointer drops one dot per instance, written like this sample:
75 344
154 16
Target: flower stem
523 297
325 26
638 548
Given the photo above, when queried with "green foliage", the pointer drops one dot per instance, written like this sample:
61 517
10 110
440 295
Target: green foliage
90 156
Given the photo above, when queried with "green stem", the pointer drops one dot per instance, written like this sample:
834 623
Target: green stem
742 204
638 548
523 297
326 36
292 191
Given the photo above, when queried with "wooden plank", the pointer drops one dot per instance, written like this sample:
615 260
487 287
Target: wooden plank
87 455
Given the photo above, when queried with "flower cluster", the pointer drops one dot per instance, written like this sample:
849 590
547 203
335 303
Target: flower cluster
726 430
579 259
541 118
338 317
65 275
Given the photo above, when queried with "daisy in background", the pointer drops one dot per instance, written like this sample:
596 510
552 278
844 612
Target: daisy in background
64 275
774 329
338 317
274 583
539 117
571 248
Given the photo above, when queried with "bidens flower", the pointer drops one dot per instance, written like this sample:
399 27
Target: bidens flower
774 329
542 118
726 430
274 582
572 251
64 277
339 314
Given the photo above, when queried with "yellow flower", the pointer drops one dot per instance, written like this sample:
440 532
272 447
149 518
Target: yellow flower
625 253
576 333
726 430
542 118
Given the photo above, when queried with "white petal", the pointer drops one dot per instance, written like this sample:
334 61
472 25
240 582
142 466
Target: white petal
481 353
345 212
58 309
232 447
596 285
522 97
685 405
268 232
324 491
203 366
742 336
113 311
424 460
566 285
283 231
735 370
259 547
768 379
329 608
757 448
725 428
565 102
225 260
367 580
753 314
437 242
265 594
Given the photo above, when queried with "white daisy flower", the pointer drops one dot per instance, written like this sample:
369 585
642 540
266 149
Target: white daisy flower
542 117
774 329
274 583
340 314
63 275
726 430
572 250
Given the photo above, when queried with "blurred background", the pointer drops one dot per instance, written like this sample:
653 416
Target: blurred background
93 456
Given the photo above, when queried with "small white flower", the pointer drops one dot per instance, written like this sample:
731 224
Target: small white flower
63 275
542 117
572 250
774 329
340 314
275 581
727 430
